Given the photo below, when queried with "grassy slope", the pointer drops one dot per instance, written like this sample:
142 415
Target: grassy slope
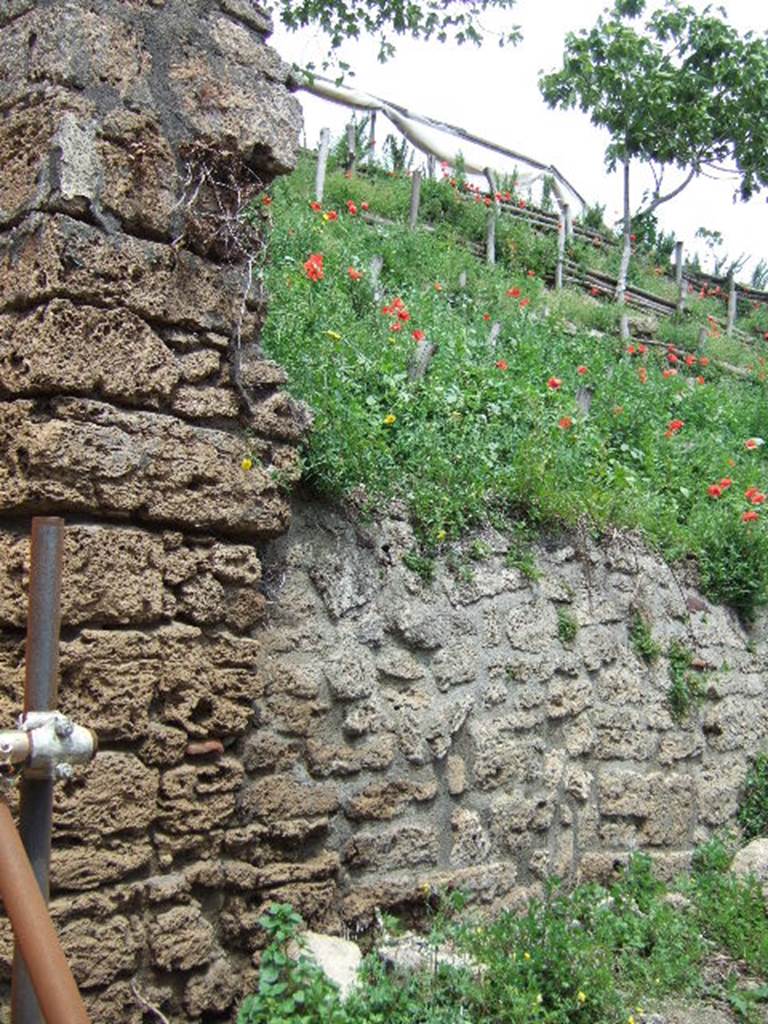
483 437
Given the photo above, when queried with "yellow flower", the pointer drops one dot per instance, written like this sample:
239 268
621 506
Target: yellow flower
441 535
389 420
582 997
334 335
630 1019
247 463
539 998
526 956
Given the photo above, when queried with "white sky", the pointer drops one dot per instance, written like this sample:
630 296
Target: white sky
494 93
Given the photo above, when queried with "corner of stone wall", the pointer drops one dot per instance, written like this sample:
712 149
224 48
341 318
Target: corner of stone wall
132 135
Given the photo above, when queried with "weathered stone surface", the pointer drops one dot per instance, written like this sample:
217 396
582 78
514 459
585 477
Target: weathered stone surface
99 955
78 867
85 350
115 793
385 800
88 454
752 862
283 796
47 258
196 798
212 991
376 755
469 841
665 803
404 847
180 938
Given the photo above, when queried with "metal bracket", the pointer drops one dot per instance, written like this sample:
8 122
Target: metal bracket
47 745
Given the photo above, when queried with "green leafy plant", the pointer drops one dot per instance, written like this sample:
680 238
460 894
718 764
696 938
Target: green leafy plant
753 807
567 626
421 564
686 691
291 990
641 638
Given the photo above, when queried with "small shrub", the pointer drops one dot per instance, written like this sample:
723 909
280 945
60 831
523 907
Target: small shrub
422 565
641 638
753 809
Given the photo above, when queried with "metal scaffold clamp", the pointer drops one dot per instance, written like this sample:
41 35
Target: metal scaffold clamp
46 745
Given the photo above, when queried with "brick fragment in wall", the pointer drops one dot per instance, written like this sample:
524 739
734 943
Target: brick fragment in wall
665 804
213 991
117 1004
75 867
283 796
85 455
99 955
404 847
325 759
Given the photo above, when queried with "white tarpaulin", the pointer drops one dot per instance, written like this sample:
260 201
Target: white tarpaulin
438 139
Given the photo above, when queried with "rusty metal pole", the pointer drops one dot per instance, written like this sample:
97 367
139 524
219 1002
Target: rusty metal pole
35 935
41 682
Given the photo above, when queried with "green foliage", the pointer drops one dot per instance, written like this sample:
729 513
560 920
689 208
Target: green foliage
478 439
291 991
753 808
567 626
686 691
351 19
641 638
422 565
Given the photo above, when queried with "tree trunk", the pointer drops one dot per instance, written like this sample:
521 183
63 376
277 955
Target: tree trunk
621 284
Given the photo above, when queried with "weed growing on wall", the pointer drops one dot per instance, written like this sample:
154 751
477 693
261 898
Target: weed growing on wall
753 808
472 394
641 638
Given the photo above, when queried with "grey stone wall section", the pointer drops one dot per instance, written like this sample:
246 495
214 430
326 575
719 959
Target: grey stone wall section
444 734
132 135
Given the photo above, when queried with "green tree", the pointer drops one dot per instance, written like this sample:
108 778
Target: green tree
684 91
349 19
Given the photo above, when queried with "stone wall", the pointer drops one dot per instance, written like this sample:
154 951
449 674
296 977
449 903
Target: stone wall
490 729
132 135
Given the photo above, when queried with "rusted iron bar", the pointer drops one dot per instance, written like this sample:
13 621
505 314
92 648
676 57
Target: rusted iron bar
40 692
35 935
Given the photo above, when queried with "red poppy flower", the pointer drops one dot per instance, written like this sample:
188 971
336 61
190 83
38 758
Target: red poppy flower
418 335
397 303
522 204
313 267
486 316
700 380
633 238
438 286
523 303
725 483
671 358
642 349
673 427
714 490
755 497
690 360
364 206
351 207
565 423
314 205
396 326
403 314
354 275
487 200
266 200
750 516
642 373
581 370
704 361
513 293
554 383
750 443
531 273
631 350
669 373
331 215
502 364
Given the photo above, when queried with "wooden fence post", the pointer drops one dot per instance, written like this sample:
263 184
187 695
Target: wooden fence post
322 160
493 213
351 146
430 167
413 213
463 280
568 221
679 276
372 140
561 235
731 302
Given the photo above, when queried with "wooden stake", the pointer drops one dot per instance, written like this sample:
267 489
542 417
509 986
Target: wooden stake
322 160
731 303
561 233
372 140
679 276
351 146
413 213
